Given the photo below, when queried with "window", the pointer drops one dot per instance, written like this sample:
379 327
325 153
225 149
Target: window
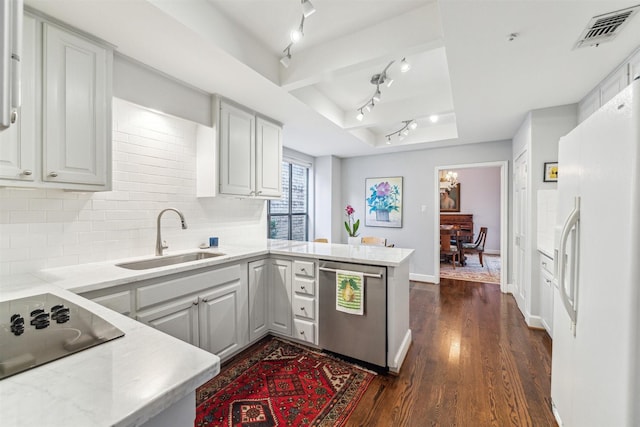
288 217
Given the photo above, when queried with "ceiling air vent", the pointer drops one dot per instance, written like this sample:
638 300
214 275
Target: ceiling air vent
604 28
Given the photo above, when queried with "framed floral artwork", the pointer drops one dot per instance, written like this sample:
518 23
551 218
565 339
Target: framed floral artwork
384 202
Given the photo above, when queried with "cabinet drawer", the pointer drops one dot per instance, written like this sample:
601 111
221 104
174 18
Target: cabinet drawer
546 264
305 286
304 307
304 268
305 331
120 302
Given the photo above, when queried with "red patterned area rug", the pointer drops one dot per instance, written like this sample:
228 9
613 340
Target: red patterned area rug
282 384
473 271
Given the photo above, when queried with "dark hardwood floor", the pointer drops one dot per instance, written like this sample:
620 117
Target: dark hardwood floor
473 362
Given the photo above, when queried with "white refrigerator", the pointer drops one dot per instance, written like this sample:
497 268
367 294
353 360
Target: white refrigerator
595 374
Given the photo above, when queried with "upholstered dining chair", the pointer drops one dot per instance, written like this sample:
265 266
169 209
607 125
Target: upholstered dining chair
321 240
373 241
478 245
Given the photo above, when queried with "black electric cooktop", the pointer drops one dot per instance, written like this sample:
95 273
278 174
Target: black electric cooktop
38 329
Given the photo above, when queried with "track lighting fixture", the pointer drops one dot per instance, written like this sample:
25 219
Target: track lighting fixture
407 125
404 65
376 79
297 34
379 79
307 8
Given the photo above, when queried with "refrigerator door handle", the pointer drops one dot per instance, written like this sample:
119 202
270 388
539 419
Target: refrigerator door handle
569 304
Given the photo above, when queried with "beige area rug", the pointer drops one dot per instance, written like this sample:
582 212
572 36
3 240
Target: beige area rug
473 271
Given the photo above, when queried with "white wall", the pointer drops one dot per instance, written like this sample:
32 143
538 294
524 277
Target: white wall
329 217
480 188
154 161
418 170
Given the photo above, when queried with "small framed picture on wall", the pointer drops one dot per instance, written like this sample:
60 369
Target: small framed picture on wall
551 172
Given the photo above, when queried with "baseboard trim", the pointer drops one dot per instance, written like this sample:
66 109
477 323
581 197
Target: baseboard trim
492 251
423 278
402 353
534 321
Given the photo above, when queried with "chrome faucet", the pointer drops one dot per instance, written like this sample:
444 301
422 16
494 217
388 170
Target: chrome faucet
159 245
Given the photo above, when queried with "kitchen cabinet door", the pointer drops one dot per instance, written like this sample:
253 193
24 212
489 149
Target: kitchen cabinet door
223 319
280 285
268 159
613 84
634 66
237 151
177 318
546 293
258 302
18 142
76 109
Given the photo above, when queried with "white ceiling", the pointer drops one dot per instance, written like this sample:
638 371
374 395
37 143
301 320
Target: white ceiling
463 66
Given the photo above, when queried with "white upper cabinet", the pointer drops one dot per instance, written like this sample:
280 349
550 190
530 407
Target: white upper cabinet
18 142
63 136
268 158
237 150
76 106
620 78
241 155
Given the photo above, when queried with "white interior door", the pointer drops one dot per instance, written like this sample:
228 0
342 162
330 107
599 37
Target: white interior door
520 217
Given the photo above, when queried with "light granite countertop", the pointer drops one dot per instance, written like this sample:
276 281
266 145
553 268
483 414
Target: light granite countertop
123 382
89 277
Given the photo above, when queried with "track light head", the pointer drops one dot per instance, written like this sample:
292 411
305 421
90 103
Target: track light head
307 8
376 96
389 82
297 34
388 139
286 59
413 125
404 65
360 116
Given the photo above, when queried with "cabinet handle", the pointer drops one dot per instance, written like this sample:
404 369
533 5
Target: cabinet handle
302 308
548 281
301 332
252 193
53 174
303 288
14 116
544 264
258 192
195 303
27 172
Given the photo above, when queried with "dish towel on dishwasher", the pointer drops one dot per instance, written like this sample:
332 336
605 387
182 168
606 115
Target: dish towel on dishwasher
350 292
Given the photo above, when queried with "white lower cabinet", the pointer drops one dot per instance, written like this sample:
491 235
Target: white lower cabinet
177 318
282 299
207 309
280 318
546 293
223 319
305 301
258 299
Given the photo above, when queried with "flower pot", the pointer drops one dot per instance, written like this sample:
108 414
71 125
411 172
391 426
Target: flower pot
353 240
382 215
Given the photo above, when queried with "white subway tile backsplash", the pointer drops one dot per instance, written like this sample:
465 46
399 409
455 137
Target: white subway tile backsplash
154 167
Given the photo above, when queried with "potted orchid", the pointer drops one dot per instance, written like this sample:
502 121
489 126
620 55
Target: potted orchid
351 225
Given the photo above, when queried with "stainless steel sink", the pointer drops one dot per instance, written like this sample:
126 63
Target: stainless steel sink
162 261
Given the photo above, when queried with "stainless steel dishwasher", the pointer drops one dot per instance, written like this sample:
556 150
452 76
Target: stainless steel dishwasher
360 337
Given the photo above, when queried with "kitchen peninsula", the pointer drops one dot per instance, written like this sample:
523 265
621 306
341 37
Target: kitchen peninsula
142 295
